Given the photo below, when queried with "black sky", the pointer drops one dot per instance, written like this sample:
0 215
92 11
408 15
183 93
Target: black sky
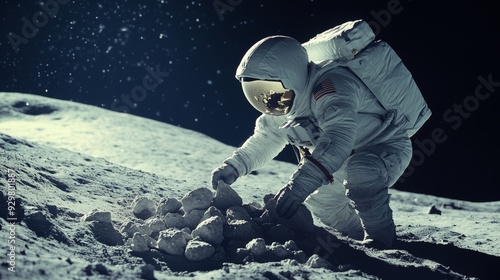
100 52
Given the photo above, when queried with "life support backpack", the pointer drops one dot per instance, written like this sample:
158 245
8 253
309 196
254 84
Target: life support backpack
352 45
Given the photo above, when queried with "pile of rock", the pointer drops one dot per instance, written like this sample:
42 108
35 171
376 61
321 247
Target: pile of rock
218 226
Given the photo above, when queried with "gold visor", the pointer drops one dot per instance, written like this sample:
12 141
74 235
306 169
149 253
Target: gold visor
268 97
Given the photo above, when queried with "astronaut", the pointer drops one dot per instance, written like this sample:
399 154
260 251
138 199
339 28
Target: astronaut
355 150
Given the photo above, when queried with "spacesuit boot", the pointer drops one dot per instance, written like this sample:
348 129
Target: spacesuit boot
376 219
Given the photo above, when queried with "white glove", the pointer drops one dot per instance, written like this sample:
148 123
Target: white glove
226 173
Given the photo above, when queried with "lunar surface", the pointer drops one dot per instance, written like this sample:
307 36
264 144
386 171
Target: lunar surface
88 193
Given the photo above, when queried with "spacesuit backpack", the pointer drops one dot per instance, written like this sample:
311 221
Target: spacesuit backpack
352 45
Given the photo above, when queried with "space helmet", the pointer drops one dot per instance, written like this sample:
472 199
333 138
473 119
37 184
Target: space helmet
268 96
273 74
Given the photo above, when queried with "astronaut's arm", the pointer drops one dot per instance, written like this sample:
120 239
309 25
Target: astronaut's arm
336 115
265 144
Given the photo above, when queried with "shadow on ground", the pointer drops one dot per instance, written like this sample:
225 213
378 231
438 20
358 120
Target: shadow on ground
407 260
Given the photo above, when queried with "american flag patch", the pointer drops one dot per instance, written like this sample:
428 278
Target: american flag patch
323 88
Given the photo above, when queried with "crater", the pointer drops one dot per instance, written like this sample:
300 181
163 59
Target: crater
33 109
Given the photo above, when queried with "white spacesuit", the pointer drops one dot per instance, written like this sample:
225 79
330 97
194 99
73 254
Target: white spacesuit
350 136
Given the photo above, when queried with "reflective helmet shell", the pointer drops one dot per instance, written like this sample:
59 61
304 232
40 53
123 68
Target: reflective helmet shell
280 59
268 97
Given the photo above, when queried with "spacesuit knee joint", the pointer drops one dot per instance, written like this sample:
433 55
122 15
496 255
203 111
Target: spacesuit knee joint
365 176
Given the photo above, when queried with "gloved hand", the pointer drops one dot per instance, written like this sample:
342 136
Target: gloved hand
289 198
226 173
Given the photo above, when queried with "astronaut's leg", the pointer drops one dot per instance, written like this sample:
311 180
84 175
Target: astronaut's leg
369 174
330 205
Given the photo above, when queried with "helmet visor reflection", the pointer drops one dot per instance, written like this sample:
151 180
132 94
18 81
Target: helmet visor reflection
268 97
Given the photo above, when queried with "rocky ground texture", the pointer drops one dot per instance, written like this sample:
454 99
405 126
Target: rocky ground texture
90 194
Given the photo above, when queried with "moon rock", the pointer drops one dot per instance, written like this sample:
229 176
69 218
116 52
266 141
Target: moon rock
197 250
193 218
257 246
212 212
168 205
173 241
237 213
225 196
144 207
210 230
97 215
139 242
199 199
174 220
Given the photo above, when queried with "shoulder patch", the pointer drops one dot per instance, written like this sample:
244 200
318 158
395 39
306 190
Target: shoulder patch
323 88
